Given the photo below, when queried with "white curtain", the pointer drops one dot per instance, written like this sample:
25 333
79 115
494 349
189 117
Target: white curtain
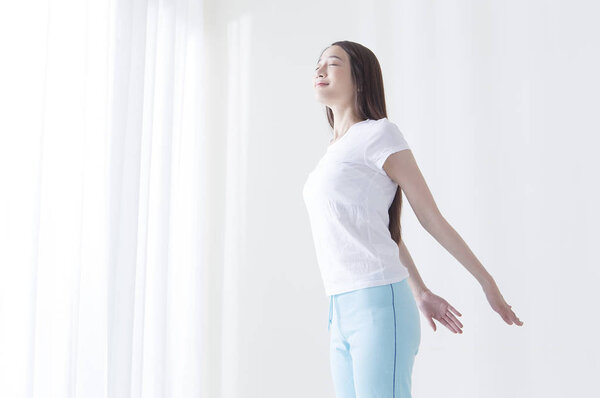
101 208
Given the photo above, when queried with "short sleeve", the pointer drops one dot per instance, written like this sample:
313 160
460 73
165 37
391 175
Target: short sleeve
384 140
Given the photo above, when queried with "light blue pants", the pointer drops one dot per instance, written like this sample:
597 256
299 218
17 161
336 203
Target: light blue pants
375 334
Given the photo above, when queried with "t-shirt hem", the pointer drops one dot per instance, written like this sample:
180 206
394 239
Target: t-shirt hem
385 153
379 282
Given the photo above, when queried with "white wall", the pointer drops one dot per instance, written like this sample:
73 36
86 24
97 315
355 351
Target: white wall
499 102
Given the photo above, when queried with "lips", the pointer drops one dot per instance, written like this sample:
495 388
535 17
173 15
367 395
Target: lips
322 84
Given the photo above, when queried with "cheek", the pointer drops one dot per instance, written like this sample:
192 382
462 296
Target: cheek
344 81
341 77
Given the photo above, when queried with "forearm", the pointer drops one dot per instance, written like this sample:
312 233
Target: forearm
416 283
443 232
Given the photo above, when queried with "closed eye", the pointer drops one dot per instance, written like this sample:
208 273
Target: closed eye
329 65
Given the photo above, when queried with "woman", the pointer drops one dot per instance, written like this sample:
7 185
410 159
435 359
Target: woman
353 198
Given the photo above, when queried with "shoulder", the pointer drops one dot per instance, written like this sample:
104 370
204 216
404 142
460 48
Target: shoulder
383 139
383 128
383 125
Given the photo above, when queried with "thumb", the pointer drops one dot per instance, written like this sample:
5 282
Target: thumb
431 323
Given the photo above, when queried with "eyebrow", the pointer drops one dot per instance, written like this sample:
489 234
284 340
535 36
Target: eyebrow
331 56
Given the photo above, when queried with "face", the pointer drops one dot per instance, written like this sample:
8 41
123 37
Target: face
333 69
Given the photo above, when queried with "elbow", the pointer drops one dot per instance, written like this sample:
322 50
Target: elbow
430 220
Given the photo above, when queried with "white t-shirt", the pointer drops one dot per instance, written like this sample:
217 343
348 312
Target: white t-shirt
347 196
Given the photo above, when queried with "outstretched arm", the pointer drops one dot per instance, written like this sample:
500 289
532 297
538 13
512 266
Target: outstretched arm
402 168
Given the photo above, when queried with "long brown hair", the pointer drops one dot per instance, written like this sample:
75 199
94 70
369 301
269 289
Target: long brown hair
369 104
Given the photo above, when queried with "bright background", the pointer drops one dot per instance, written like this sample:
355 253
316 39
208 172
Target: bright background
153 237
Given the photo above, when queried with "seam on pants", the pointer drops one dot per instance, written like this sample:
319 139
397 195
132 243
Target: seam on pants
330 308
394 309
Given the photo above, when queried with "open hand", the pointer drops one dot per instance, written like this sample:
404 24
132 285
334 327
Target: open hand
435 307
494 297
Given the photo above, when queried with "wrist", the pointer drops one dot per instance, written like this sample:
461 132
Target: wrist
421 292
487 282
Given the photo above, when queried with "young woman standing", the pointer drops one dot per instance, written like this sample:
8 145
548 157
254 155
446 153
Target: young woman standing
354 198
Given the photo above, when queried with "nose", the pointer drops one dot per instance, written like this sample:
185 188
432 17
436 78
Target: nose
319 72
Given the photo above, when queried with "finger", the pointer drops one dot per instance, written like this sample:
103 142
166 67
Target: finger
454 319
454 326
451 323
512 317
448 324
445 323
506 317
431 323
516 318
454 309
